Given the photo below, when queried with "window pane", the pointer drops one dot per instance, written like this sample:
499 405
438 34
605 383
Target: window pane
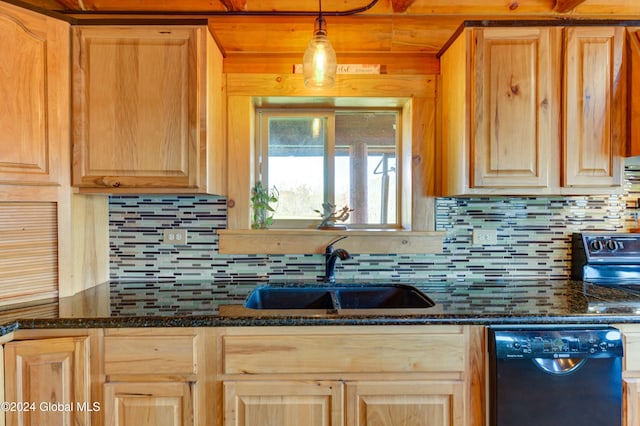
296 165
366 166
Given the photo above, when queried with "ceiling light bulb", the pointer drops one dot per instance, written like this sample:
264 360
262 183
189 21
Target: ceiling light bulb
319 63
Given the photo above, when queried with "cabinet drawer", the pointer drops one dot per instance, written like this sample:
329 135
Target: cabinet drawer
343 353
138 355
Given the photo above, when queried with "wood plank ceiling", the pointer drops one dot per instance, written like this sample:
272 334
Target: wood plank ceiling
405 35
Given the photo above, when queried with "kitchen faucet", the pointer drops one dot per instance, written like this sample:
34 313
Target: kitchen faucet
331 256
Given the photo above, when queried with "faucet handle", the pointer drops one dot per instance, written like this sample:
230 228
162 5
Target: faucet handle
329 248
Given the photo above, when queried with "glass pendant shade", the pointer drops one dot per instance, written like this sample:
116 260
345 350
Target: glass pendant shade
319 62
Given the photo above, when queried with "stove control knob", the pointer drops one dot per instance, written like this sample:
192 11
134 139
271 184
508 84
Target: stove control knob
596 245
612 245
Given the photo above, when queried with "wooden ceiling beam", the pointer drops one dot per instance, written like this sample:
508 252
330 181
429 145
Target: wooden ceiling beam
401 6
235 5
564 6
73 4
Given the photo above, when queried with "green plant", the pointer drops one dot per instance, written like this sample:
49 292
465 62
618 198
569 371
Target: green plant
261 199
329 216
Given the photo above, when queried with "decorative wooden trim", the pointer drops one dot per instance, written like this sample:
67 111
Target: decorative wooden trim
309 241
346 85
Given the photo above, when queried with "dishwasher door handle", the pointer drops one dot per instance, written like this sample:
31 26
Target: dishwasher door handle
560 366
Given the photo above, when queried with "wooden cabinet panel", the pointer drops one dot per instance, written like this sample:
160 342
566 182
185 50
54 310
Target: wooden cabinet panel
515 129
415 403
54 372
149 404
382 376
35 88
147 108
283 403
631 402
506 128
154 355
136 90
633 145
632 351
335 353
159 376
594 108
630 374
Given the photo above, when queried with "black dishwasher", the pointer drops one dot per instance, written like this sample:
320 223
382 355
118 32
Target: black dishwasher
555 376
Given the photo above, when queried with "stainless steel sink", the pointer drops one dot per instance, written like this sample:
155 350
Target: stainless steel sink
337 297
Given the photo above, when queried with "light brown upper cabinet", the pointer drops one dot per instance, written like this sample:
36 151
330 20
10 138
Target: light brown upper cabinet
634 92
533 110
147 107
33 85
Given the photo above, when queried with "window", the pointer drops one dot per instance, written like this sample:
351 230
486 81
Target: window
342 157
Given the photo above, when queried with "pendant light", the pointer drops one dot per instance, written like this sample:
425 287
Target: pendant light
319 62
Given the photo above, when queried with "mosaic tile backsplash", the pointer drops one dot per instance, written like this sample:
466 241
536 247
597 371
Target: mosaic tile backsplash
533 240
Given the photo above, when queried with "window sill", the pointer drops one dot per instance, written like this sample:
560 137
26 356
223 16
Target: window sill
311 241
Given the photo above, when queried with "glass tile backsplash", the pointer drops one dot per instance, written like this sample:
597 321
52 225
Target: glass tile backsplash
533 235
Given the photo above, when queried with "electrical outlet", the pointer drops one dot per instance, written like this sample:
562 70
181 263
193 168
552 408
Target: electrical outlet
175 236
485 237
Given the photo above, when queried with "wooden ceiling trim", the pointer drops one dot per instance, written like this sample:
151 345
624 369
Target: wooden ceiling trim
73 4
393 64
462 8
375 86
292 34
160 6
564 6
513 8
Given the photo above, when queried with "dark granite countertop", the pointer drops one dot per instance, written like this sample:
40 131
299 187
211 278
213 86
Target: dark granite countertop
197 304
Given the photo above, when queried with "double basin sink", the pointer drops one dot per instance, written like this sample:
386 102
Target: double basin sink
334 298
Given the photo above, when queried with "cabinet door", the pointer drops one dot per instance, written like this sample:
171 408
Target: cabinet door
149 404
137 115
632 402
290 403
633 89
594 108
34 81
515 99
52 376
419 403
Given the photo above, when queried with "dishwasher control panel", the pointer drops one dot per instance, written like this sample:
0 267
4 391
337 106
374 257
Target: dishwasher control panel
556 343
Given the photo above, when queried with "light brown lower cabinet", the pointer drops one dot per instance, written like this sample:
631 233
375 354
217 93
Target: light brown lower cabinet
159 404
416 403
47 382
354 376
247 376
332 403
283 403
156 377
631 374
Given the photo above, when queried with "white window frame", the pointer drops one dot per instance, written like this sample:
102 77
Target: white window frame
261 167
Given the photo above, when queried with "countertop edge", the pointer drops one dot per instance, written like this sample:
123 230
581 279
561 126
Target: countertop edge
216 321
